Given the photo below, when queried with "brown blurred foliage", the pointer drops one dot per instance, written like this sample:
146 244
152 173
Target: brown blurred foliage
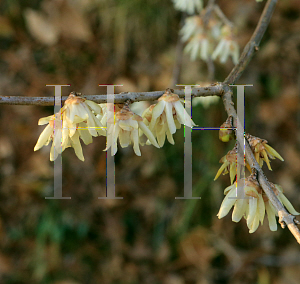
148 237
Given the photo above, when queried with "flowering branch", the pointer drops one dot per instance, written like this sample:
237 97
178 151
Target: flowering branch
213 90
284 217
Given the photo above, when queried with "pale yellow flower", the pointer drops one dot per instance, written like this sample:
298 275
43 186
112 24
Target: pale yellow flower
166 116
271 211
188 6
125 126
252 204
226 47
198 47
107 108
78 119
248 204
262 151
231 166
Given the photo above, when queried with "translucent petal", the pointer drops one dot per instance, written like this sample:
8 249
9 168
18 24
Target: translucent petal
221 170
287 204
156 112
239 209
45 120
177 123
148 133
64 134
90 121
227 203
252 211
95 107
77 146
232 172
116 132
84 133
170 137
225 52
44 137
135 139
180 112
218 49
170 119
261 208
126 125
81 112
271 216
273 152
124 138
53 153
160 134
254 225
266 159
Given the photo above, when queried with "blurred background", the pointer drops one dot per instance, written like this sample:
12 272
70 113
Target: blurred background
148 237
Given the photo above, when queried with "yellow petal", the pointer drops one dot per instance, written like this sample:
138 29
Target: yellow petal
273 152
221 170
148 133
135 139
252 211
271 216
156 112
266 159
287 204
44 137
170 119
232 172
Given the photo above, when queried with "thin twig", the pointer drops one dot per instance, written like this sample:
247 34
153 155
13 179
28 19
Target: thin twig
284 217
209 8
222 16
253 44
213 90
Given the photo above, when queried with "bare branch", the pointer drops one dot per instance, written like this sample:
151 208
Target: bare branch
213 90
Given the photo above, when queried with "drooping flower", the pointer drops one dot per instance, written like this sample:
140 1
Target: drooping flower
108 110
192 26
78 119
226 47
252 203
271 211
262 151
198 44
188 6
198 47
125 126
248 203
166 116
231 165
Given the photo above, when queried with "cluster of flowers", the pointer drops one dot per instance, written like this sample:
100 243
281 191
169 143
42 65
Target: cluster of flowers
201 40
245 194
207 37
81 118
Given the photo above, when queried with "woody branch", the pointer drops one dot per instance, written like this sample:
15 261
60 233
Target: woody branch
252 46
213 90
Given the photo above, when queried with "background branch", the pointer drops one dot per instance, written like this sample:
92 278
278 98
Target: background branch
253 44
